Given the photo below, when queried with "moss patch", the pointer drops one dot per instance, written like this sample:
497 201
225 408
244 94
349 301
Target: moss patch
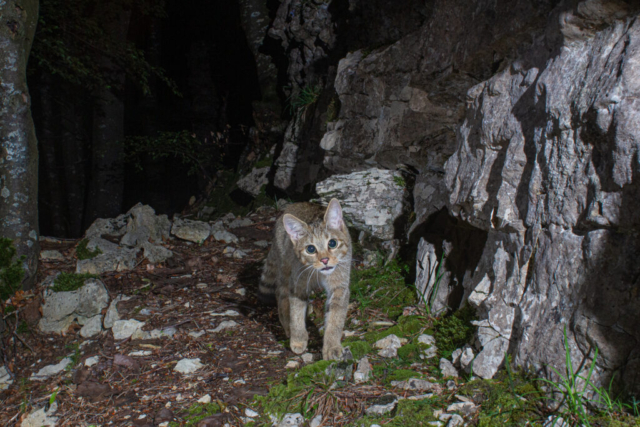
454 331
383 287
82 252
407 327
359 349
197 412
66 282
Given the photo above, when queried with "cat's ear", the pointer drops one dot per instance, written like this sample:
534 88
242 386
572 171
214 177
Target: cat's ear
295 228
333 216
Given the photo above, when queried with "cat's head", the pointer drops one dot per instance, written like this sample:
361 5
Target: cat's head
324 244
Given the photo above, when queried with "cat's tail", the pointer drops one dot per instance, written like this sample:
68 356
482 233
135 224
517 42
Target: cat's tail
268 280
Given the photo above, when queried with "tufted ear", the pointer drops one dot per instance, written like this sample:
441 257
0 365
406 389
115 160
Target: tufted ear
295 228
333 216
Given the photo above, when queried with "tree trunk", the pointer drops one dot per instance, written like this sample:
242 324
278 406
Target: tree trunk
106 187
18 144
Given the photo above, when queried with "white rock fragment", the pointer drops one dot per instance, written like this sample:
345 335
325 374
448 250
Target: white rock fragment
307 358
250 413
141 353
455 356
227 324
51 255
241 291
5 378
92 327
316 421
193 231
363 372
123 329
197 334
426 339
42 418
90 361
448 369
188 366
465 408
292 364
466 358
415 384
225 236
388 346
455 421
291 420
383 405
51 370
229 313
205 399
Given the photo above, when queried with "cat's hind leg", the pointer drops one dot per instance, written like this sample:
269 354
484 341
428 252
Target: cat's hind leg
282 295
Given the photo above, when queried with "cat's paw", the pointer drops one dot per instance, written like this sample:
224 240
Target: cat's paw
298 346
333 352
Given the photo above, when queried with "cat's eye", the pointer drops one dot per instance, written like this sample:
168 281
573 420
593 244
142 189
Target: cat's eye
332 244
311 249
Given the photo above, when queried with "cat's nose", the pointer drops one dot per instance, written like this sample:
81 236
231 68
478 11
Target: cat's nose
324 260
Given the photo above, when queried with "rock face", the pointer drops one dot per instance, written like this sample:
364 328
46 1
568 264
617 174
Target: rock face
547 164
253 182
373 200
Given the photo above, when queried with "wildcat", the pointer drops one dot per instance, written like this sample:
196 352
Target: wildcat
311 249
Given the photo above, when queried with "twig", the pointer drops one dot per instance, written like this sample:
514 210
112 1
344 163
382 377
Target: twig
24 342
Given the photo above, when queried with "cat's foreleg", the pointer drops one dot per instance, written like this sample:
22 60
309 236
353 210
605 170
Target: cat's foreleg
282 295
337 305
299 334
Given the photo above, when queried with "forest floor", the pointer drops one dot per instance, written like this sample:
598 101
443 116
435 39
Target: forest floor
248 373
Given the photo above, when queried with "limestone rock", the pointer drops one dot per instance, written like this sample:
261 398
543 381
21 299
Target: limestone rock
120 260
371 200
41 417
466 358
188 366
92 327
50 370
143 225
226 324
253 182
363 372
123 329
415 384
115 227
383 405
5 378
156 253
193 231
51 255
222 235
448 369
292 420
455 421
60 309
112 312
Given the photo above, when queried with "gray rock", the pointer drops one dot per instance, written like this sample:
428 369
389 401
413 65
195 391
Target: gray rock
307 358
5 378
60 309
224 236
415 384
41 417
253 182
466 358
363 372
432 280
447 369
51 255
240 222
383 405
292 420
143 225
50 370
90 361
455 356
226 324
156 253
455 421
98 243
188 366
465 408
115 227
371 200
92 327
139 334
340 371
193 231
123 329
287 161
239 254
388 346
121 260
112 312
316 421
261 244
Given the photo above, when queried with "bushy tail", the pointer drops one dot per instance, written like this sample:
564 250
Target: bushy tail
267 286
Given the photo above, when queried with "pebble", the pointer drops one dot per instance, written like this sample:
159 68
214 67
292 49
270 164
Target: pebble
420 396
307 358
250 413
51 255
415 384
188 366
239 254
227 324
455 421
205 399
389 346
42 417
466 358
50 370
261 243
241 291
292 364
465 408
316 421
447 369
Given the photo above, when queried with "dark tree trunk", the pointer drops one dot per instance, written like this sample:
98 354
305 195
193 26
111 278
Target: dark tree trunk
106 188
18 144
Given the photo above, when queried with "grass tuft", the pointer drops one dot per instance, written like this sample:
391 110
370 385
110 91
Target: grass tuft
67 282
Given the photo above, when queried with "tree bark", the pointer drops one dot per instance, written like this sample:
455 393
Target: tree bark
106 187
18 144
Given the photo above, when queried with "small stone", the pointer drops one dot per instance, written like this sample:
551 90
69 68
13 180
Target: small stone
455 357
42 417
241 291
291 420
188 366
112 312
447 369
261 244
230 313
224 236
292 364
250 413
227 324
50 370
196 334
205 399
237 223
421 396
340 371
239 254
5 378
414 384
51 255
123 329
363 372
426 339
455 421
307 358
383 405
390 341
466 358
316 421
193 231
465 408
90 361
202 286
92 327
141 353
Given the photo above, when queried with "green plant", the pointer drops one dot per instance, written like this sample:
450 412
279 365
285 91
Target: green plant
299 101
11 272
453 331
199 411
399 181
66 282
383 287
53 396
75 356
82 252
572 407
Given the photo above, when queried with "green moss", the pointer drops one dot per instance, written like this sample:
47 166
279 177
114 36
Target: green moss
11 271
400 182
359 349
197 412
410 353
383 287
66 282
454 331
333 109
82 252
264 162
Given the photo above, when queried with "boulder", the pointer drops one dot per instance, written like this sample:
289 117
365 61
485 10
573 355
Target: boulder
143 225
193 231
372 200
253 182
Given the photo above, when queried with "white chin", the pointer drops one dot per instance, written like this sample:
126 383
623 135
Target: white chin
327 272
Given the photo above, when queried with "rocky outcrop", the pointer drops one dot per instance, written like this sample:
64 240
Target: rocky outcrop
547 164
373 200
